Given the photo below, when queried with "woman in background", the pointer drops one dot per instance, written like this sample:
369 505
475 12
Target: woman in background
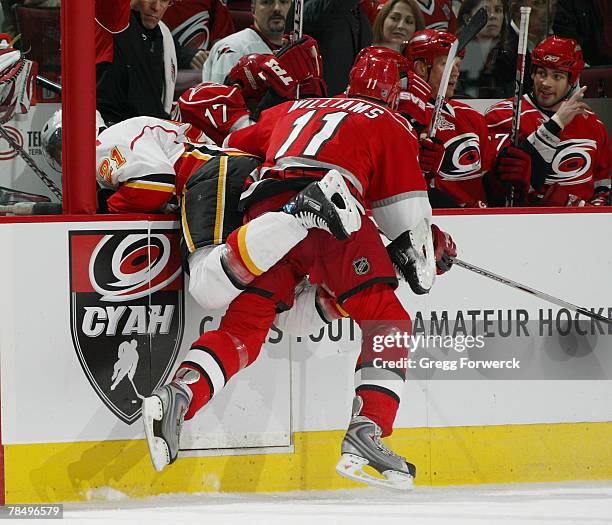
488 69
396 22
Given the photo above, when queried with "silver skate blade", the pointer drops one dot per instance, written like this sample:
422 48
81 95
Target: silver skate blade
351 467
158 449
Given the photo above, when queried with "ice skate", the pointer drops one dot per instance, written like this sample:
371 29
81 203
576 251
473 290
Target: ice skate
328 205
162 414
362 446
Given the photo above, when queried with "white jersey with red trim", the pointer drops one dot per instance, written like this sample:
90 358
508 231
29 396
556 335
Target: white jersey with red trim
580 157
216 109
147 160
468 153
225 53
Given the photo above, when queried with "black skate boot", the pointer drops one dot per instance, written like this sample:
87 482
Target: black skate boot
362 446
328 205
163 413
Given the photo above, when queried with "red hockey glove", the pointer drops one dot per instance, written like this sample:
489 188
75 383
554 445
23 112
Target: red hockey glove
444 249
514 168
298 64
431 155
558 195
247 74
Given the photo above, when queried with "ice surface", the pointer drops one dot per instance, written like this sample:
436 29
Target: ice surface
576 503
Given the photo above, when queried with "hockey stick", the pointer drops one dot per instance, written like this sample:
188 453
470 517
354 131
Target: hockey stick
436 117
518 84
474 26
32 208
30 162
531 291
298 17
49 84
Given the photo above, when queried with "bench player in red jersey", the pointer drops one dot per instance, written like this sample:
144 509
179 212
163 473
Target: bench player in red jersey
461 153
564 156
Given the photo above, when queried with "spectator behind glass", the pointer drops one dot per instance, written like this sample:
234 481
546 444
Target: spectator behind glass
396 22
136 73
487 71
342 30
589 22
263 37
540 19
196 25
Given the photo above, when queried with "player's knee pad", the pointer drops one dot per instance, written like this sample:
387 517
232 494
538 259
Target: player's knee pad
209 283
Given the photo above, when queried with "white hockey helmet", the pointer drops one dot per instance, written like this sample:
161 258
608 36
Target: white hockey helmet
51 138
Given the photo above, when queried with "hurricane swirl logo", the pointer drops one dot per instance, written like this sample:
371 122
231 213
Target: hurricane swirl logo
572 160
126 311
194 33
138 266
461 158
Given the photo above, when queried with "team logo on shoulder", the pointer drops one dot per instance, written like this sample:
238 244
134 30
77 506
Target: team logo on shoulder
126 319
361 266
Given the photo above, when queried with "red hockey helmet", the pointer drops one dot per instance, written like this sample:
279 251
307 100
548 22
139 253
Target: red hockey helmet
247 74
428 44
563 54
383 52
377 78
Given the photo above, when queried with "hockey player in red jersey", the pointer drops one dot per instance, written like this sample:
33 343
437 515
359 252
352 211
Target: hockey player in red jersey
255 82
374 150
564 156
461 153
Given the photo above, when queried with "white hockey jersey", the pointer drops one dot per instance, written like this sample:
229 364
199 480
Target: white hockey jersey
224 55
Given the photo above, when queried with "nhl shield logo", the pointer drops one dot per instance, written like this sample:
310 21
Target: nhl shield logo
361 266
126 300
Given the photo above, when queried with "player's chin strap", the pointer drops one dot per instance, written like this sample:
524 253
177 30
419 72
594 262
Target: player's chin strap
531 291
412 255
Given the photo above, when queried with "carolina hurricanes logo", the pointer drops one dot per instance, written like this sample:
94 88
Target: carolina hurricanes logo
461 158
194 33
573 158
223 50
137 263
126 305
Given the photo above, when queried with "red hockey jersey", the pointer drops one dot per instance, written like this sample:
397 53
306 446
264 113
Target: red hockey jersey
374 148
112 16
215 109
468 153
580 158
198 24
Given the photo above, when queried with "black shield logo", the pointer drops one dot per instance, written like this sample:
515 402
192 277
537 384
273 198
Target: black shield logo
126 300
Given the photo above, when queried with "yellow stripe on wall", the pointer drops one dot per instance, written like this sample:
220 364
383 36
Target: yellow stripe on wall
444 456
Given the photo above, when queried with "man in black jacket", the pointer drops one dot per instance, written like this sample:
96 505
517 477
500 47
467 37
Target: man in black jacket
342 30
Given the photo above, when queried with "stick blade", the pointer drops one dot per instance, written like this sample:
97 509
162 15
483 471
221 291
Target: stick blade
474 26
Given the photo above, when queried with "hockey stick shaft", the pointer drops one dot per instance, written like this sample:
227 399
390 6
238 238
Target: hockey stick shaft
437 112
298 17
473 27
532 291
518 85
49 84
31 164
520 74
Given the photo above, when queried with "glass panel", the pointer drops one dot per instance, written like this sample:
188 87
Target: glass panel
26 174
